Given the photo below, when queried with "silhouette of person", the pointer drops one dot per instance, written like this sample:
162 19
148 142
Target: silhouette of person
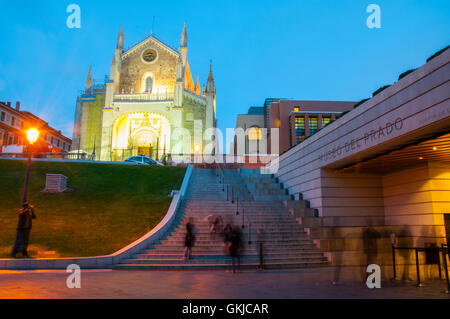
406 242
26 216
336 235
370 245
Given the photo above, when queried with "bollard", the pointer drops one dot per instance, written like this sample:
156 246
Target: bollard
419 284
444 257
393 263
439 262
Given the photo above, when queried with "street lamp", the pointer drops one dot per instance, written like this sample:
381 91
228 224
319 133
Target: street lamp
32 136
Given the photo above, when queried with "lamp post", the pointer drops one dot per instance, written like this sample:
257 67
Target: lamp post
32 136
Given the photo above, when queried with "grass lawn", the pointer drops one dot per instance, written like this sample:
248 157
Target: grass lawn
108 207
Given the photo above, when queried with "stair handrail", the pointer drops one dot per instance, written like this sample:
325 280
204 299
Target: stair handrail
220 174
244 217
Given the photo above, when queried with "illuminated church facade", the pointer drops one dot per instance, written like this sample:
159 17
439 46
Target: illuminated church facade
149 105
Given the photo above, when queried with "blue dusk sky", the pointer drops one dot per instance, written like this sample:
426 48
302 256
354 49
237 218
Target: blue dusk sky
304 49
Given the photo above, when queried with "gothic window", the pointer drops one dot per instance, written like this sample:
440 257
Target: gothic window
149 85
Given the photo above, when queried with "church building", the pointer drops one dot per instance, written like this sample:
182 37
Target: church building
148 105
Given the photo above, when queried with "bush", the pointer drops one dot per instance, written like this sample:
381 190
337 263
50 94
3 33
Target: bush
437 53
381 89
401 76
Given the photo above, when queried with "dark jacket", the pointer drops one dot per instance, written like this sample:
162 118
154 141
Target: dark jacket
26 216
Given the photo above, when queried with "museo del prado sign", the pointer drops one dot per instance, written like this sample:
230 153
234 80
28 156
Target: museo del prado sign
367 139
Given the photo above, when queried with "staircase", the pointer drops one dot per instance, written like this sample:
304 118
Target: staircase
286 244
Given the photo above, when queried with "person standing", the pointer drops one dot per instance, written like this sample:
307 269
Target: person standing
26 216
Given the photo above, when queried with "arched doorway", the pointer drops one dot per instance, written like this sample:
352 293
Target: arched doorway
140 133
146 142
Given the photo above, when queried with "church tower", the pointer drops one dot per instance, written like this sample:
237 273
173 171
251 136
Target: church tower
210 94
114 75
181 70
89 81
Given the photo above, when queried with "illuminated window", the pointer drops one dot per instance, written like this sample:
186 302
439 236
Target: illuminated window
326 120
300 128
254 134
296 108
313 125
149 85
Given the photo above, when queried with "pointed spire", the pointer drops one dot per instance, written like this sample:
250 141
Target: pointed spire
197 87
210 87
120 39
184 38
89 80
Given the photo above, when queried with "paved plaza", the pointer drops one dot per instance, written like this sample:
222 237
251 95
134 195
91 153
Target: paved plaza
280 284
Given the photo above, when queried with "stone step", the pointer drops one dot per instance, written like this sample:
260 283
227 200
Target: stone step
267 237
249 266
223 260
196 255
220 250
286 244
210 243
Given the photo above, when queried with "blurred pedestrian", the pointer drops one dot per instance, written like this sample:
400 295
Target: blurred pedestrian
226 237
26 216
216 227
234 246
210 220
189 239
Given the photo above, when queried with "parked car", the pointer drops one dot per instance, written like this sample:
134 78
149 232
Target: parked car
143 160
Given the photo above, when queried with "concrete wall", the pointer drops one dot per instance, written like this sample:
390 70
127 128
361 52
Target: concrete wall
349 199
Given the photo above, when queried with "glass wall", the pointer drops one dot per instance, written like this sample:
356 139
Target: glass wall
299 128
313 125
326 120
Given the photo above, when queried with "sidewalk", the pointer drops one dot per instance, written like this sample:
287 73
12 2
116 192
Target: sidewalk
285 284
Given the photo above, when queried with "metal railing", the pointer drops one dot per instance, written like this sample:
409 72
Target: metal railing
233 196
443 250
144 97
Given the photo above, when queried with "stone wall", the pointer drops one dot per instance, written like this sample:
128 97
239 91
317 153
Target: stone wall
133 68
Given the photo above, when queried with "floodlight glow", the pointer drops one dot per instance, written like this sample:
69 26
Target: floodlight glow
32 135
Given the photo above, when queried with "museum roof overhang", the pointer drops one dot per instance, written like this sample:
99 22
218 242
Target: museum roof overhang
435 148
